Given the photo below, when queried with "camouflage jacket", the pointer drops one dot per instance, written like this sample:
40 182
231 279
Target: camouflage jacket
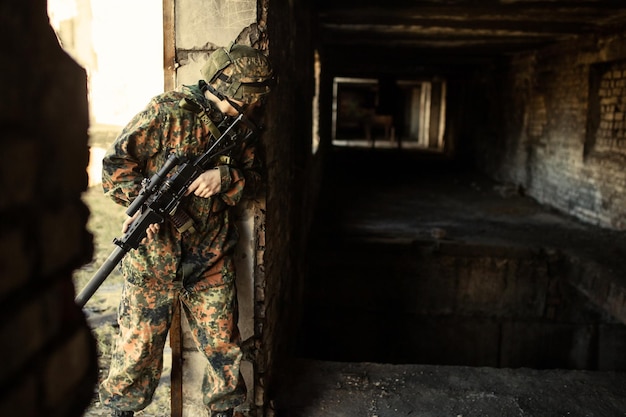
138 152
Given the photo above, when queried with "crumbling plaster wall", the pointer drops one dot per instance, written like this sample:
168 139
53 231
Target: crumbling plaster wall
281 213
195 33
49 358
560 127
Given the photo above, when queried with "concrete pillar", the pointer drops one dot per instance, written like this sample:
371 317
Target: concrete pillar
198 32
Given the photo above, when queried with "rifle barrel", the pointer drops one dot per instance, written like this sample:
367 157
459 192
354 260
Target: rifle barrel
114 258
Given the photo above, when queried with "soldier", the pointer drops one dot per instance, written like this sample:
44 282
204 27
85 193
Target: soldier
196 264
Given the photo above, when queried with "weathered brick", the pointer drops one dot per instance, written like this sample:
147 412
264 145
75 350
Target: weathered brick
611 347
66 368
15 261
546 345
18 179
63 232
21 399
26 333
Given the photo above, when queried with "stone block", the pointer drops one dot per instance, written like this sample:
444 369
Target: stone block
611 347
450 341
21 398
66 368
547 345
15 260
25 331
63 231
17 178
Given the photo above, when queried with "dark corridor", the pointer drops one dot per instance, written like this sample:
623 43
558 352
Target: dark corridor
415 260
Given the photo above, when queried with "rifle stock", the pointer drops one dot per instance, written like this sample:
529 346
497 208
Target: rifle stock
159 196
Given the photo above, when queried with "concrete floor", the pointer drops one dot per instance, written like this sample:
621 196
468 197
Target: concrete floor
325 389
390 196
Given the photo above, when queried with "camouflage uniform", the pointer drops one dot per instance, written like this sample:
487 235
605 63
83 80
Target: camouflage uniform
198 267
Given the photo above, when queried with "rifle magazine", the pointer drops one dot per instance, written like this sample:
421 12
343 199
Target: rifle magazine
182 221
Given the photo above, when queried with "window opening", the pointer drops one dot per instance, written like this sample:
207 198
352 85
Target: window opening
122 55
389 113
317 68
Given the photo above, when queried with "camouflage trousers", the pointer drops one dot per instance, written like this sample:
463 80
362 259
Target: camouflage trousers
145 316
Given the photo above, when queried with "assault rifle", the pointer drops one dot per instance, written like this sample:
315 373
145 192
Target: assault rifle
159 197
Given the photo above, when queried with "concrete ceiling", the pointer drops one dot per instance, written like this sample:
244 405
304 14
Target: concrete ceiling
467 27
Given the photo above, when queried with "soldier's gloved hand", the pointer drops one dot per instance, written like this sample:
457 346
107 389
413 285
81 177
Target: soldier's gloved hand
207 184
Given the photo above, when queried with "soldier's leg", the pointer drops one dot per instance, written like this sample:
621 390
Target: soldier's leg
144 318
212 316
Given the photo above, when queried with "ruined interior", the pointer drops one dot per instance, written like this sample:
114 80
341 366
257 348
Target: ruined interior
412 239
442 229
463 219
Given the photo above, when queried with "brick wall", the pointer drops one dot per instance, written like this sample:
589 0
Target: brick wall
562 136
607 109
456 303
48 354
291 175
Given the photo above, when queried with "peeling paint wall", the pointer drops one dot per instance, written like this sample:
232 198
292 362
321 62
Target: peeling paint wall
278 220
210 24
198 32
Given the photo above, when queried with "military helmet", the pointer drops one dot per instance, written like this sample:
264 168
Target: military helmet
239 72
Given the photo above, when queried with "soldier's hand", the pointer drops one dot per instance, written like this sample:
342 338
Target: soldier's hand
207 184
151 231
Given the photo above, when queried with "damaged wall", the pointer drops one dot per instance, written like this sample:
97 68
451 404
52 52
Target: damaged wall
293 177
191 34
563 132
278 218
49 355
454 303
